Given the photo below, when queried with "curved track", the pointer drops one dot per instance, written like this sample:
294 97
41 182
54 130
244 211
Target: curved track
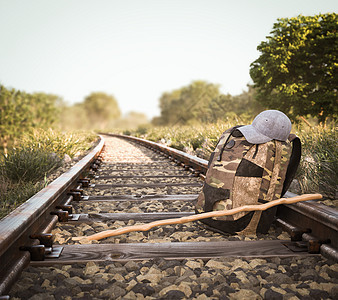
134 184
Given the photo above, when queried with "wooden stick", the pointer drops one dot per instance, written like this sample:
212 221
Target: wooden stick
212 214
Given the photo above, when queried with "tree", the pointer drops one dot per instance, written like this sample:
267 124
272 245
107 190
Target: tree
101 109
297 69
226 106
44 109
187 104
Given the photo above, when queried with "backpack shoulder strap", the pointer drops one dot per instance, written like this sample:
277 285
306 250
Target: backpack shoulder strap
230 132
226 134
293 163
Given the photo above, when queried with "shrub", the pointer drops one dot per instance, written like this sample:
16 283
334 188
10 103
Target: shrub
53 141
28 165
318 170
12 195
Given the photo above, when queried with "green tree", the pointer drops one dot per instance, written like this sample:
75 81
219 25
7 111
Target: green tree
20 112
101 109
297 69
188 104
244 106
44 109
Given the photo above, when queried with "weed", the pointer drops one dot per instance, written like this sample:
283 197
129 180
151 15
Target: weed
12 195
70 143
318 170
24 170
28 165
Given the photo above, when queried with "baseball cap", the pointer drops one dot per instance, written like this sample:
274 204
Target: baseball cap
268 125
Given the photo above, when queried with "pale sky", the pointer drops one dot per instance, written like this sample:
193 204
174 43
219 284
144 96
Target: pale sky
136 49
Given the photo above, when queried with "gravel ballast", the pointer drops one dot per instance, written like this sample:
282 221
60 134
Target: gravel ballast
299 277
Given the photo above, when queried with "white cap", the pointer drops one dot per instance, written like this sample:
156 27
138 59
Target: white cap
268 125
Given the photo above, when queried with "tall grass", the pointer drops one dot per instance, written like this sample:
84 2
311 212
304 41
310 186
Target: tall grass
199 138
12 195
28 164
24 169
318 171
60 143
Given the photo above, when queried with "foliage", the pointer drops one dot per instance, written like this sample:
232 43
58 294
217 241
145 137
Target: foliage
13 194
318 171
73 117
28 165
21 112
297 69
38 154
201 102
57 142
100 109
241 107
188 103
197 138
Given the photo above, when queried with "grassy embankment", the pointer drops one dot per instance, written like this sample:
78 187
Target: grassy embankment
25 169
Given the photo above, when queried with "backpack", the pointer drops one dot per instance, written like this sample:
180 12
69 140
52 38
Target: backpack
240 173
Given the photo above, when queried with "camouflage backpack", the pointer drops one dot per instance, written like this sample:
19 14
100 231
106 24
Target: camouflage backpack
241 173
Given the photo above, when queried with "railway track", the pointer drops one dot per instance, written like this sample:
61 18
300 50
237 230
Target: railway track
132 182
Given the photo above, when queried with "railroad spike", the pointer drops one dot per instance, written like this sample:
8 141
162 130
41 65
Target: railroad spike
63 215
84 182
314 243
37 252
77 190
68 208
45 239
76 196
294 232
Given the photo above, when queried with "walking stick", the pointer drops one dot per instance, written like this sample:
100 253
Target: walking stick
212 214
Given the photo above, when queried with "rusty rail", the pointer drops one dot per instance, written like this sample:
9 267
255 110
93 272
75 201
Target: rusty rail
24 229
310 221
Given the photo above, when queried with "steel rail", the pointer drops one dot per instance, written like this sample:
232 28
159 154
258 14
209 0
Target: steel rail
311 221
36 216
308 221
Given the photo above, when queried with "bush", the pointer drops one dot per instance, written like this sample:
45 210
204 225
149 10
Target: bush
28 165
39 153
12 195
318 170
53 141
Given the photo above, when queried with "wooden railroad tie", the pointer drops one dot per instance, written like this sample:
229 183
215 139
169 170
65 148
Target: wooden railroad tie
196 217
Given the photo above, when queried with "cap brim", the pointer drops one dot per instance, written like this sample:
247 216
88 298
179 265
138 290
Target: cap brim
252 135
